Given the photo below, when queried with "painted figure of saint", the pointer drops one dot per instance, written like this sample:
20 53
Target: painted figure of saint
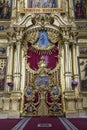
85 70
1 8
6 9
43 39
31 3
41 3
84 9
78 11
53 3
38 4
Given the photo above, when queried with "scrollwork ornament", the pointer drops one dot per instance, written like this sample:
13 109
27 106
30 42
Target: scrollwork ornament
53 37
32 37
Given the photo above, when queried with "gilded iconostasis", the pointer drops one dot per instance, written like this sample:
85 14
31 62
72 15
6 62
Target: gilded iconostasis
43 56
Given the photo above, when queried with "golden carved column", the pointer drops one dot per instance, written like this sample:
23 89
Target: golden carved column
75 64
17 67
18 10
67 63
64 5
26 3
22 3
59 3
71 9
22 79
10 55
75 54
17 60
13 11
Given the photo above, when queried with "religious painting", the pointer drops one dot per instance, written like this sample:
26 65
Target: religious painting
4 27
42 81
41 3
82 62
5 9
83 51
2 52
80 7
3 62
43 42
43 39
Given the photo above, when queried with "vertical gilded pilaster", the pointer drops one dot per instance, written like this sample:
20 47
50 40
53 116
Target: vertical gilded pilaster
13 11
71 8
74 59
23 64
59 3
18 10
64 5
75 53
67 67
10 55
17 60
17 67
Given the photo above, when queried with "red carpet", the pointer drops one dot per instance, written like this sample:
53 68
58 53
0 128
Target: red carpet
80 123
33 123
8 124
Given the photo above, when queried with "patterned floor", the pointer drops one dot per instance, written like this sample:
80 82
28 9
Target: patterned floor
44 123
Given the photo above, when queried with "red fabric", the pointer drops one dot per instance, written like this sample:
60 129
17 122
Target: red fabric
34 58
49 97
8 124
36 97
56 124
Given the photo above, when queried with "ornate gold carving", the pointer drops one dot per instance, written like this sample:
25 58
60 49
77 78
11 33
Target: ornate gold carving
32 36
84 102
42 20
42 106
38 47
54 36
42 71
6 104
